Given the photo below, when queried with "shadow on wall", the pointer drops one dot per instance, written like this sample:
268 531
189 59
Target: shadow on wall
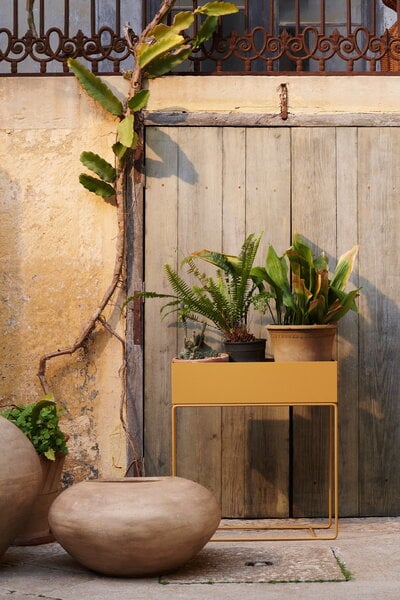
165 147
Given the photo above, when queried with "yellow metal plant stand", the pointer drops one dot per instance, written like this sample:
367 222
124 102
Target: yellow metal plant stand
291 384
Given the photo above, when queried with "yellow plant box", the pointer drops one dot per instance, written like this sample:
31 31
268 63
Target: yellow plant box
255 383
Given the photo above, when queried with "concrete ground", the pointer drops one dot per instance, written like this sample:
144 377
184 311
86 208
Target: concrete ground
362 563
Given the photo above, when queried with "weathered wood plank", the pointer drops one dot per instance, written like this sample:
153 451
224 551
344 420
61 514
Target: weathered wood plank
162 156
313 216
347 237
268 210
200 226
216 119
379 381
233 421
134 321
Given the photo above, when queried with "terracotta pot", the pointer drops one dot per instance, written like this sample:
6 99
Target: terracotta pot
223 357
246 351
35 530
302 342
134 526
20 478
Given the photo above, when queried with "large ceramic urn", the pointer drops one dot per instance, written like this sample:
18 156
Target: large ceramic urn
20 480
134 526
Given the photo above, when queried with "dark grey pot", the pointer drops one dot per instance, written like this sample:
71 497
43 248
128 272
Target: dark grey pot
246 351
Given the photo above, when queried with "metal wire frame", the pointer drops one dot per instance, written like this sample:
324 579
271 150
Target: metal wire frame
257 43
265 384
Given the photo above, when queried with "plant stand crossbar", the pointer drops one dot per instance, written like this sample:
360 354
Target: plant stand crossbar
268 384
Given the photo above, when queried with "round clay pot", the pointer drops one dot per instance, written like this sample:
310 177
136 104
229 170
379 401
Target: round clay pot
20 480
134 526
302 342
35 530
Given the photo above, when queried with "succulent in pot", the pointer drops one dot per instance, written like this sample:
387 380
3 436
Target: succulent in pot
196 348
304 295
223 301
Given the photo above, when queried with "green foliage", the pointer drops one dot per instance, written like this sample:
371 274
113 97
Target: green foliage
101 188
119 151
98 165
223 300
98 90
147 52
310 297
39 421
182 20
164 64
126 133
139 100
165 48
162 50
217 9
206 31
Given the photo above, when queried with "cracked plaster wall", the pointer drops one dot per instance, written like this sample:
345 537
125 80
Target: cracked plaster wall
57 254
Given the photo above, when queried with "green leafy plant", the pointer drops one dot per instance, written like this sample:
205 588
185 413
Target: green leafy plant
39 421
224 300
308 296
158 50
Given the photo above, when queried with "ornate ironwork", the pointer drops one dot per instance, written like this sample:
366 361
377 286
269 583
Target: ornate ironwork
258 51
270 47
56 47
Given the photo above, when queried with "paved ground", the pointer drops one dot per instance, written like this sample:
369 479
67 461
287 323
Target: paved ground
366 549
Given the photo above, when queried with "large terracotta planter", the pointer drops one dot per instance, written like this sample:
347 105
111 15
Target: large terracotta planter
134 526
35 530
20 479
302 342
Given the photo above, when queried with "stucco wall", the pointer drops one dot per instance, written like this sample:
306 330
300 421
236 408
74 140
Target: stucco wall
56 258
307 95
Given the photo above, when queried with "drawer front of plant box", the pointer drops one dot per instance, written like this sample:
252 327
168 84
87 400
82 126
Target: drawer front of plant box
300 383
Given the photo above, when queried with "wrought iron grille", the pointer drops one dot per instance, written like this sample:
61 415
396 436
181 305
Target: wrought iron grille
264 37
42 41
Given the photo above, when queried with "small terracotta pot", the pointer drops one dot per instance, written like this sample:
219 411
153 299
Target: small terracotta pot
20 479
223 357
302 342
134 526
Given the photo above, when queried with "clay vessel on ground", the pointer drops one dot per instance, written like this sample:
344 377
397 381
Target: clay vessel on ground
134 526
20 480
35 530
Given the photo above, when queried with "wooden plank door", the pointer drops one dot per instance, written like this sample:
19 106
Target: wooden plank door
338 186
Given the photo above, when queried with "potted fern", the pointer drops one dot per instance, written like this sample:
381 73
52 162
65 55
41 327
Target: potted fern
308 304
223 301
39 421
